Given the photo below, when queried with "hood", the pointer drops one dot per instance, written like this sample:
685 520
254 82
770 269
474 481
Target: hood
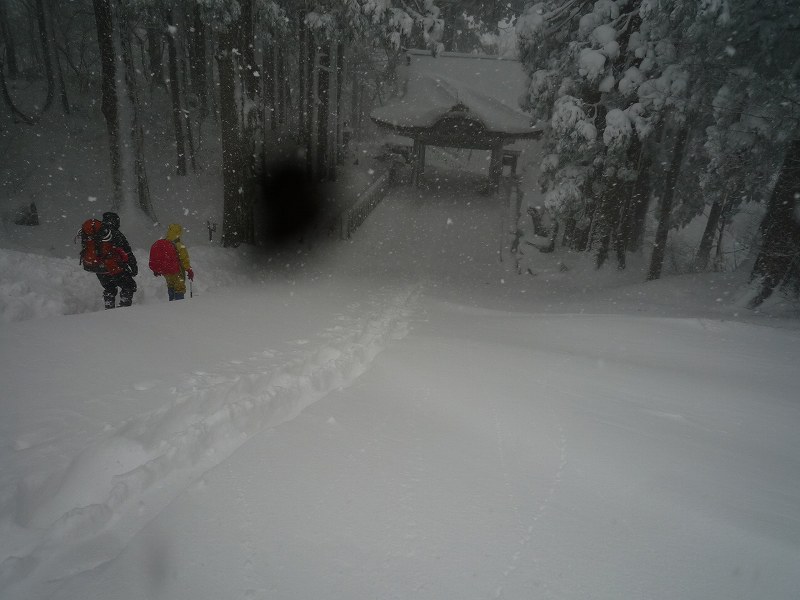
174 232
111 220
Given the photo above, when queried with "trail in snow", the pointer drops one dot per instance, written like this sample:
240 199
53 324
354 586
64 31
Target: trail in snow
147 461
528 516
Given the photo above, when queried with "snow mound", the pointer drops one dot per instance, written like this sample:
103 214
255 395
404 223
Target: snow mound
34 286
37 286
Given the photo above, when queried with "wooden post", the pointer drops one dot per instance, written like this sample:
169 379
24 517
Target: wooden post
416 164
495 167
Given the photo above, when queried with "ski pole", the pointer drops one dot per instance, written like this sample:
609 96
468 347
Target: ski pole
191 290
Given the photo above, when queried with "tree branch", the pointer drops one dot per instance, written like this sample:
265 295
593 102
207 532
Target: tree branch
7 98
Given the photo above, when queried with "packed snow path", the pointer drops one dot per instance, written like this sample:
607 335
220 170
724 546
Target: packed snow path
395 436
88 508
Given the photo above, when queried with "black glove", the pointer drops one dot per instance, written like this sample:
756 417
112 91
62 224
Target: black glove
132 269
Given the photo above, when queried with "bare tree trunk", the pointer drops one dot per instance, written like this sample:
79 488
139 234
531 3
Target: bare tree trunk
105 39
718 260
609 216
187 121
233 224
639 202
601 230
62 86
356 99
624 229
7 34
286 76
247 49
323 94
155 56
197 60
268 74
665 211
339 154
310 103
280 90
302 67
251 123
707 240
333 112
47 54
449 33
174 85
16 113
778 261
137 137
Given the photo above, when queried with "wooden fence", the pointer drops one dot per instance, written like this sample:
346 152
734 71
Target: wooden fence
354 216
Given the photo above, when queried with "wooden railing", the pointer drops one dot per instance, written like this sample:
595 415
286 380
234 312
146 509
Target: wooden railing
353 217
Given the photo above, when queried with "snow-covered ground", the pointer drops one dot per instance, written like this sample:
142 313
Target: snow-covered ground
396 416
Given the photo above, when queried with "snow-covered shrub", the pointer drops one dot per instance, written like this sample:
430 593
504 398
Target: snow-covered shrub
573 128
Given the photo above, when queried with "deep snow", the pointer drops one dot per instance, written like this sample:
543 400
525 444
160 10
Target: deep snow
400 415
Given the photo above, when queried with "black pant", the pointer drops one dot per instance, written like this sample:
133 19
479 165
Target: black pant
110 283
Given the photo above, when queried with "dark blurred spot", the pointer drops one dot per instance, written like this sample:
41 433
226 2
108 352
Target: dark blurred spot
291 208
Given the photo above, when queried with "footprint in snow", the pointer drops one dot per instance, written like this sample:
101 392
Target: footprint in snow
146 385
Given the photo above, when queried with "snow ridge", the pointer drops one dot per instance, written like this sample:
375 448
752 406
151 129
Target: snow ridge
82 520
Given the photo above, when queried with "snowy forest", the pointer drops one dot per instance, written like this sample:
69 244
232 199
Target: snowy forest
682 110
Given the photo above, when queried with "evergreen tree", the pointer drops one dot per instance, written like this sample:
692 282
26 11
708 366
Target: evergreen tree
627 85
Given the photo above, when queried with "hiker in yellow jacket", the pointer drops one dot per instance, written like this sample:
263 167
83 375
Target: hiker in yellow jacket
176 283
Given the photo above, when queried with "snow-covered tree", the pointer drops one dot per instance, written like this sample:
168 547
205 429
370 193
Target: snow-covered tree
635 81
604 89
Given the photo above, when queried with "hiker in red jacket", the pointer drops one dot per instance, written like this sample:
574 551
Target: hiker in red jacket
106 252
169 257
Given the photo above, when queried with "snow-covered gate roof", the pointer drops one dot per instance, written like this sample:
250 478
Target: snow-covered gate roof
461 100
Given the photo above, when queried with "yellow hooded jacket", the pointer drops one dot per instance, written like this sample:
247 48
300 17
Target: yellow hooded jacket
178 281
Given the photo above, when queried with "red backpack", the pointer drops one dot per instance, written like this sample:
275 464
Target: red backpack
164 258
98 254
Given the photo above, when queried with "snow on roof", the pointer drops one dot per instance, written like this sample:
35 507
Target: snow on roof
429 87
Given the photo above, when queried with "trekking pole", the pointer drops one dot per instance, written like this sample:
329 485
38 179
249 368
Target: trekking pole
191 291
